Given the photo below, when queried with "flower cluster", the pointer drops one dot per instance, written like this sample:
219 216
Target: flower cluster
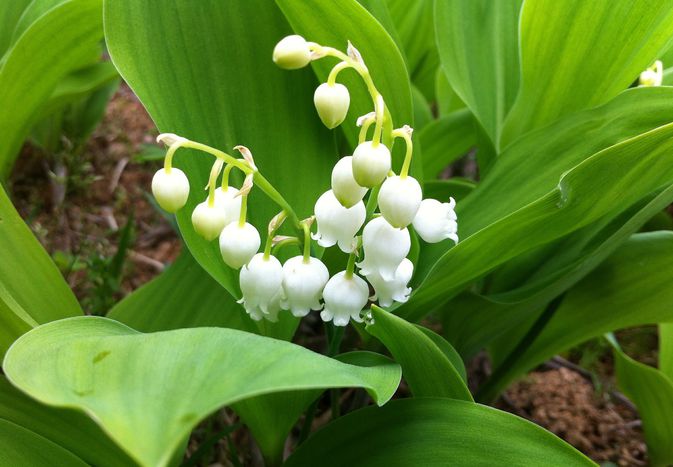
377 244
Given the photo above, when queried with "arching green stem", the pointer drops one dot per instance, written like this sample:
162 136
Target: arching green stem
405 133
331 79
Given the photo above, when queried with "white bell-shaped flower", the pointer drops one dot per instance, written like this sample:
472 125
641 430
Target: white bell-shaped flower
386 292
399 199
170 188
371 163
208 221
344 186
337 224
303 283
261 285
344 299
436 221
238 244
385 247
292 52
331 102
229 203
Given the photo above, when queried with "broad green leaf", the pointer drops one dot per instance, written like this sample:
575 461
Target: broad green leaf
31 71
270 417
422 112
415 27
10 12
472 321
445 140
79 84
429 365
478 48
67 428
334 24
19 446
206 74
442 190
577 54
500 218
32 290
434 432
170 380
652 392
447 99
628 289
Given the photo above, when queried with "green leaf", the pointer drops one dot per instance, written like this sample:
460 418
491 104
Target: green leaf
334 24
442 190
652 392
83 363
429 364
498 216
628 289
422 112
270 417
478 47
206 74
31 71
19 446
67 428
32 290
434 432
446 140
10 12
576 55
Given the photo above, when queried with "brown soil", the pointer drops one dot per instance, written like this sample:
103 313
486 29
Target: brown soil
82 232
564 402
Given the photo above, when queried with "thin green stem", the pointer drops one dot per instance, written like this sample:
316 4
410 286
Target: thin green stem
331 79
212 181
365 128
225 177
372 202
307 242
168 160
244 211
283 243
350 267
405 133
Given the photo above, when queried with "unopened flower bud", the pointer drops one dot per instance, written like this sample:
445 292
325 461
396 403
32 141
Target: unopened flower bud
371 163
399 199
208 221
331 102
292 52
337 224
393 290
436 221
238 244
385 247
170 188
303 284
344 186
229 203
344 299
260 282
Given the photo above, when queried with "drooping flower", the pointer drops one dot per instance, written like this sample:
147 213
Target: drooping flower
227 201
393 290
345 297
261 281
238 244
399 199
170 188
337 224
303 283
208 221
385 247
436 221
292 52
371 163
332 101
344 186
